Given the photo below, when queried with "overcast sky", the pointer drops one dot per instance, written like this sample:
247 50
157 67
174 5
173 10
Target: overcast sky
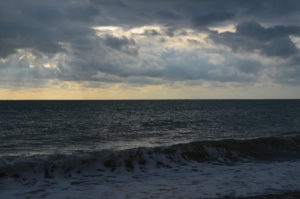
149 49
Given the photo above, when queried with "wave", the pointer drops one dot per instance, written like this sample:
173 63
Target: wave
228 151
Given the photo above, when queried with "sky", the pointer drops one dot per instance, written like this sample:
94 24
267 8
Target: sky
149 49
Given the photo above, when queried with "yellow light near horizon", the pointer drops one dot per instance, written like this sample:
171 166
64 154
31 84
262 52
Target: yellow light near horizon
120 91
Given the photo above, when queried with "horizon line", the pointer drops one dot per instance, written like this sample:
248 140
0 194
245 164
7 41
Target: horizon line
166 99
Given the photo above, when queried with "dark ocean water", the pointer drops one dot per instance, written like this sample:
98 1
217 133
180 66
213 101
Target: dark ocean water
188 145
47 126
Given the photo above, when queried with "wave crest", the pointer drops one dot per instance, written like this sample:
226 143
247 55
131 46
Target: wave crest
227 151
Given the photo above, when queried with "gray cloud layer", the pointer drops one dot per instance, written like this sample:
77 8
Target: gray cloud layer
251 36
48 28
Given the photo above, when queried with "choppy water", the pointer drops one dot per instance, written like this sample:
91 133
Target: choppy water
145 149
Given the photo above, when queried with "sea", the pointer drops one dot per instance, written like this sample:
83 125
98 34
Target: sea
140 149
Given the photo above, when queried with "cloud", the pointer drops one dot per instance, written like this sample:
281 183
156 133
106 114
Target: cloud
212 18
251 37
122 44
258 32
43 25
175 43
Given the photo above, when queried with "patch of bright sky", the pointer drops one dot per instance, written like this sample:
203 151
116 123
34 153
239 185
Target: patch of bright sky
106 28
143 29
228 28
295 40
187 40
39 60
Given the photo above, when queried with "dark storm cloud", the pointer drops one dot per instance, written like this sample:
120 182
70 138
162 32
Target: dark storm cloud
122 44
65 26
42 25
256 31
168 15
212 18
251 36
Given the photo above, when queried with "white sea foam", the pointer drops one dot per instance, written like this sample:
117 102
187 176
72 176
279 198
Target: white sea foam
208 169
195 180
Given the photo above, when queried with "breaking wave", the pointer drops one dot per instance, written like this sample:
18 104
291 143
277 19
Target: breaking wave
229 151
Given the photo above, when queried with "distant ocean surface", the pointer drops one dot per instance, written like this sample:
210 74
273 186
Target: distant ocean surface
149 148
